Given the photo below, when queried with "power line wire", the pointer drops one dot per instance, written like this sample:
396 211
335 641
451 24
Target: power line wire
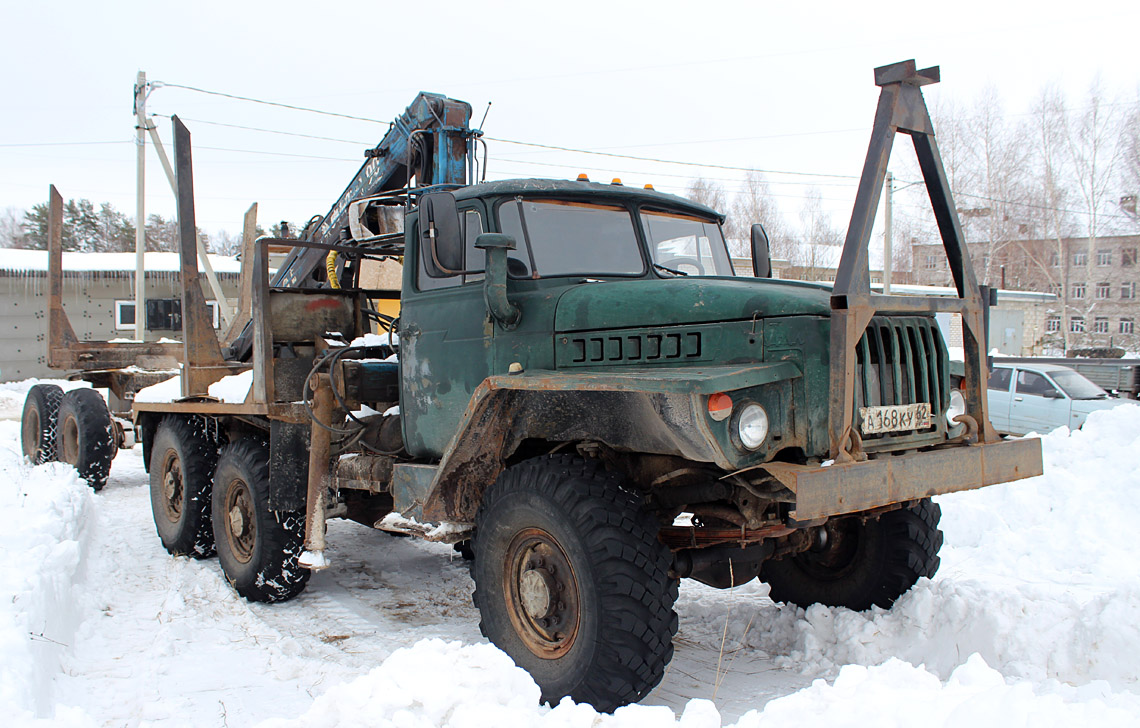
268 131
65 144
162 84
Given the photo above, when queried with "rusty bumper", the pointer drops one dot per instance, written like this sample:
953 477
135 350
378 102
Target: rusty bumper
853 487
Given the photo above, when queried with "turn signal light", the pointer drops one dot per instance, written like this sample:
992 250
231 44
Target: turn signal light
720 406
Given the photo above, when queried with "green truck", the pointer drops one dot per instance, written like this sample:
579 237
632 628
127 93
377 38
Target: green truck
583 396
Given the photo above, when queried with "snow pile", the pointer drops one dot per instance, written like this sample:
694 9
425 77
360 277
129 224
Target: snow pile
1038 577
899 694
46 514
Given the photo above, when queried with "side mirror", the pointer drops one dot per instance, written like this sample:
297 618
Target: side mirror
1052 394
441 240
761 257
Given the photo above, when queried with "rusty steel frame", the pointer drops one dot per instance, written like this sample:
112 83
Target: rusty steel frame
901 109
203 362
65 350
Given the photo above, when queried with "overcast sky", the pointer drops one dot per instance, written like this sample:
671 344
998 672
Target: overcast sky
782 87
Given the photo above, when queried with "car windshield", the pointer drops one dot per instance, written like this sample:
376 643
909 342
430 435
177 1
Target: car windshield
560 238
685 245
1077 386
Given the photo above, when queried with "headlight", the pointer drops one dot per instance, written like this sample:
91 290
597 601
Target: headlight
957 406
752 426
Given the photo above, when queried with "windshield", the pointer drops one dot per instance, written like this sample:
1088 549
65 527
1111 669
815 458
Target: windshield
559 238
1076 386
685 245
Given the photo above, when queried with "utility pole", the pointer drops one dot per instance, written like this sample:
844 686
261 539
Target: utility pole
140 207
887 252
142 126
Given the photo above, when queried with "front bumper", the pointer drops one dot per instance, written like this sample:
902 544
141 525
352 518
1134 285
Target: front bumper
822 492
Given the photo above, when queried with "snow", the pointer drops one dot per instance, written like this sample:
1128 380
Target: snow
1033 619
234 388
165 391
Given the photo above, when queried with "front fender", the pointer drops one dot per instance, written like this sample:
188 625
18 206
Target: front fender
646 410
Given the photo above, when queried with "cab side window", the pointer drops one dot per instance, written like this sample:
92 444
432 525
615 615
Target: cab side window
1034 384
999 379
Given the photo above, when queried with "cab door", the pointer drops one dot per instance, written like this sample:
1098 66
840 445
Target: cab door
998 397
1038 405
445 344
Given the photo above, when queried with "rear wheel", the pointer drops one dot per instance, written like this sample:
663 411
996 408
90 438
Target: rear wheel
860 564
258 548
84 435
38 424
182 461
572 583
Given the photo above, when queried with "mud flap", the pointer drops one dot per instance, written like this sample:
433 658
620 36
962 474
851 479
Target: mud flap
288 465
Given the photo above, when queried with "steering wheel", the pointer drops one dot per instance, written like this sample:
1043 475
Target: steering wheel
680 264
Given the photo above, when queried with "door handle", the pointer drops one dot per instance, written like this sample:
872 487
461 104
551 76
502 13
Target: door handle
1017 399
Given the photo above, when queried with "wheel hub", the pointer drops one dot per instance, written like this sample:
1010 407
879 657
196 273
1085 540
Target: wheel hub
237 521
536 588
542 594
242 529
172 486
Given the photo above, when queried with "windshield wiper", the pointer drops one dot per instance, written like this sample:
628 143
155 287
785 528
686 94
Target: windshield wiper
658 266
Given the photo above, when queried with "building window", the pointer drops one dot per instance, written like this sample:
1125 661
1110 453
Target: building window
1054 259
1055 289
1078 290
1128 257
1053 323
1104 257
1128 290
1126 326
1100 325
1103 290
931 262
1077 325
163 314
1080 258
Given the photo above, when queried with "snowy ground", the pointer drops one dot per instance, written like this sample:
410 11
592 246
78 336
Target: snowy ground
1034 619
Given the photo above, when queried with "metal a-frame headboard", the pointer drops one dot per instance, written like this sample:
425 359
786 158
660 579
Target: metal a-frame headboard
901 109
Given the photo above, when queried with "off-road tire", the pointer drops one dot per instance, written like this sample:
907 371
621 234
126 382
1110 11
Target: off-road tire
84 435
182 461
258 548
38 423
617 641
864 564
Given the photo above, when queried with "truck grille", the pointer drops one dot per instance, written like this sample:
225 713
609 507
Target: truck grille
902 360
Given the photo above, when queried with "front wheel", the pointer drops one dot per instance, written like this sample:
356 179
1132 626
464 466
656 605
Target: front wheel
258 548
861 563
572 583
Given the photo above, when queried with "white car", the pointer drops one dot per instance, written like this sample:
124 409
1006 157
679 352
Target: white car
1026 398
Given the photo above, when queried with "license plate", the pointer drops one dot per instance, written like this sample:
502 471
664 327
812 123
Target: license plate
894 418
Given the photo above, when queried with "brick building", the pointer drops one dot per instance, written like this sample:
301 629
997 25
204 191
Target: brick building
1095 281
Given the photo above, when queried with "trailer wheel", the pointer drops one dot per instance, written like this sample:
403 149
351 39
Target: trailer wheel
37 426
861 564
181 477
572 583
84 436
258 548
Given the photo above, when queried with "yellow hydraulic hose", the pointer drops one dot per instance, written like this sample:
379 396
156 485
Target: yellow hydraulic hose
330 268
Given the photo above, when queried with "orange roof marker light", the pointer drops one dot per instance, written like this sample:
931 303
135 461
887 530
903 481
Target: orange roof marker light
648 186
720 406
617 181
582 177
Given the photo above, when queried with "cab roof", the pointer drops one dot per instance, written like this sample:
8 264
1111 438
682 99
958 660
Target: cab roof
584 190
